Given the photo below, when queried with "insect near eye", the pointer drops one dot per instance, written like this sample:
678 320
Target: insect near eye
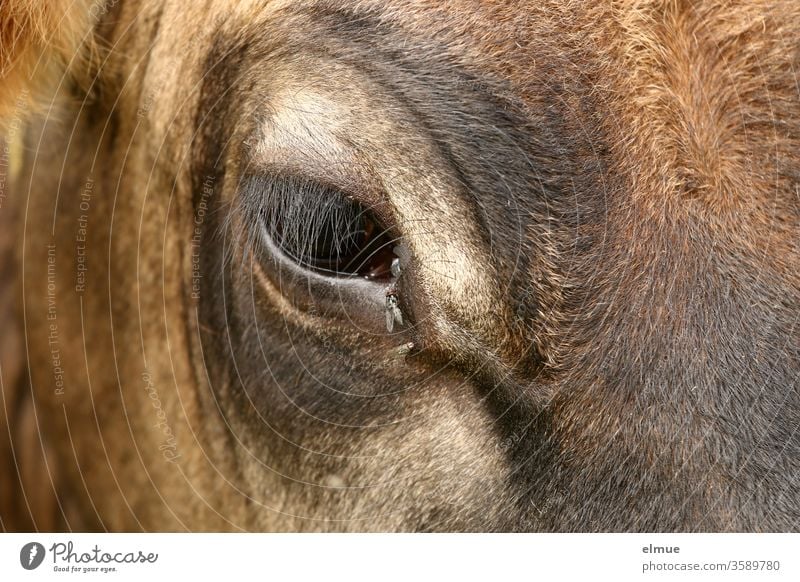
322 229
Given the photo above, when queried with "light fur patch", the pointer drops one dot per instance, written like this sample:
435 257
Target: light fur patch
307 129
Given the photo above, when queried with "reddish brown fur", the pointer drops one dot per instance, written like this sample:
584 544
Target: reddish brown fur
690 110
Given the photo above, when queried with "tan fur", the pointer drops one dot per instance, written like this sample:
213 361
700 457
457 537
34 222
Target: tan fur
698 104
40 42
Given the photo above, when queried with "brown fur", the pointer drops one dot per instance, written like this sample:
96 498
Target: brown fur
615 349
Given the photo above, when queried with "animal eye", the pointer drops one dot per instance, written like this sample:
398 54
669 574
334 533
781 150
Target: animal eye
323 229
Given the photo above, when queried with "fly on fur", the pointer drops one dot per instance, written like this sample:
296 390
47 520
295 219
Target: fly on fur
393 314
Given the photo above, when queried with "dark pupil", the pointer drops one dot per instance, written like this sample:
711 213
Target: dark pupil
322 229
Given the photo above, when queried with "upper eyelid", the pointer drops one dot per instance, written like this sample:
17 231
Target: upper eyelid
348 181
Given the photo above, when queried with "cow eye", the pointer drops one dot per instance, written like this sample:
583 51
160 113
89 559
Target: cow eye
323 229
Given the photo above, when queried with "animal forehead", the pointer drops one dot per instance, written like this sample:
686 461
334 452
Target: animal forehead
497 35
572 69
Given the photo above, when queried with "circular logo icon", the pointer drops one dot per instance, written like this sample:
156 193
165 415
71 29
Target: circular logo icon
31 555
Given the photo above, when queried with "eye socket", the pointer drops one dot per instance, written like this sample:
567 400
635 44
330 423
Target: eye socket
322 229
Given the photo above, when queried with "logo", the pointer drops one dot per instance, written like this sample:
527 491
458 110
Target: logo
31 555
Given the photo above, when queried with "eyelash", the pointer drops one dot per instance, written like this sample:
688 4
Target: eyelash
322 229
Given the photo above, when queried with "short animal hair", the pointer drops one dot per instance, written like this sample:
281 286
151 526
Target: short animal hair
40 41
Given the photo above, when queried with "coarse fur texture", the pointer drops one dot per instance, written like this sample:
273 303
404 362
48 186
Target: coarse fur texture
41 42
598 215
